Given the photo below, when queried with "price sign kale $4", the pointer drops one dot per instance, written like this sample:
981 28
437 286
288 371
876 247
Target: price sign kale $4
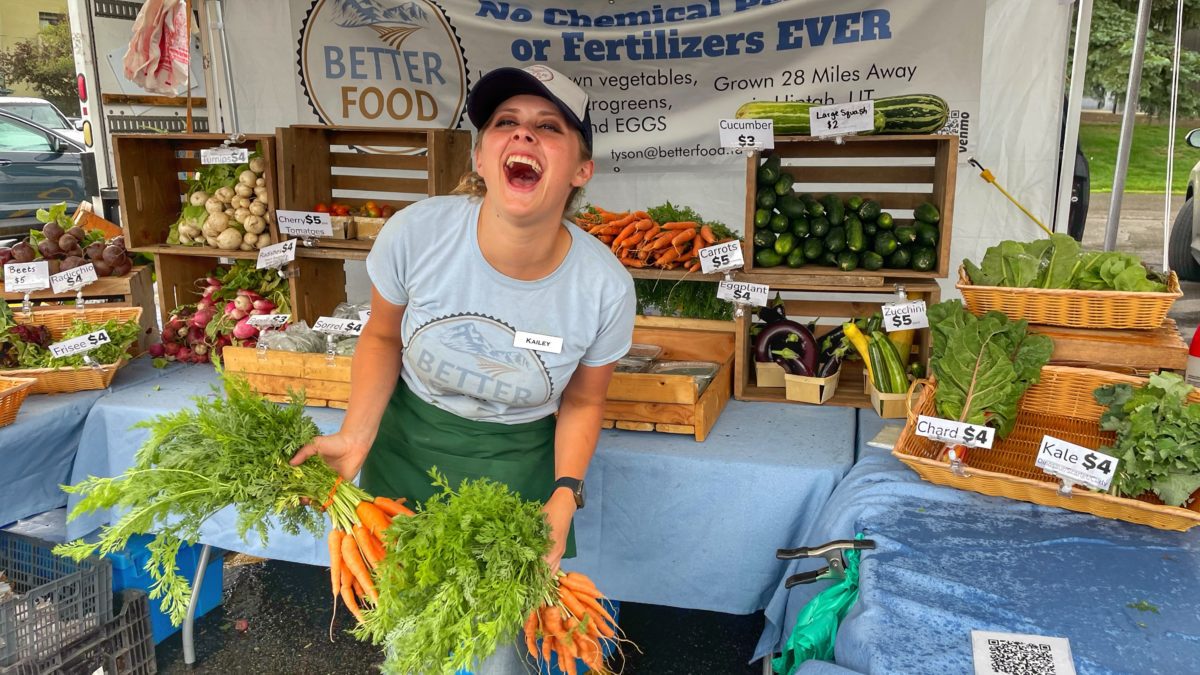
1076 463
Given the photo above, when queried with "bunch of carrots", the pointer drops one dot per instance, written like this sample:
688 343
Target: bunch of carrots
356 548
638 241
573 624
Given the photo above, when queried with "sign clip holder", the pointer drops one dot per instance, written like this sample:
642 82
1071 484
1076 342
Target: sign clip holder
286 271
79 300
95 365
832 552
330 350
27 303
956 463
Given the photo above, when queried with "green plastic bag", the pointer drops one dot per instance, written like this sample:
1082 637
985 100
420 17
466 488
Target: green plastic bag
817 625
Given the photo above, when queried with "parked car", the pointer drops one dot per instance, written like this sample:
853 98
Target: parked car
39 168
45 113
1183 249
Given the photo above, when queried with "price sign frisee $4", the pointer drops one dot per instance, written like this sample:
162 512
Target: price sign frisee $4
79 345
1076 463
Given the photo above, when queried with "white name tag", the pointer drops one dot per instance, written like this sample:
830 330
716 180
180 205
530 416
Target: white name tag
332 326
905 316
538 343
842 118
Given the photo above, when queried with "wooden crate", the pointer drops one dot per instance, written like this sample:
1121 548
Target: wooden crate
274 374
354 165
135 289
899 172
671 403
315 289
1133 352
153 173
829 314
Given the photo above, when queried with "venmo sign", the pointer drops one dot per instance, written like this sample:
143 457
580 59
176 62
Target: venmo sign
367 65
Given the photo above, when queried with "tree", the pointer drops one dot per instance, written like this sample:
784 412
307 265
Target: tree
1111 48
47 64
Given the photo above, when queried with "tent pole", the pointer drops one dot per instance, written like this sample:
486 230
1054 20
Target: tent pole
1171 131
1066 166
1132 94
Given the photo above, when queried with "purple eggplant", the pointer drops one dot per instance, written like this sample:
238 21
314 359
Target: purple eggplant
790 335
830 367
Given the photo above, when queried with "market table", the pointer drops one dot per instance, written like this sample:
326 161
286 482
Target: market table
37 450
668 521
949 561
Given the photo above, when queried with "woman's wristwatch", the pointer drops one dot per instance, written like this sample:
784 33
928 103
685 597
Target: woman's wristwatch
575 485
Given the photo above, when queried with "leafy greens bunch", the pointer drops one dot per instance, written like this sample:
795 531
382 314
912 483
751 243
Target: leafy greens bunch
27 345
1158 437
1059 262
459 578
983 365
228 451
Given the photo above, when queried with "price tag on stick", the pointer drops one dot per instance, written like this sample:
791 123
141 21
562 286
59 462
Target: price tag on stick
841 119
721 257
1076 463
332 326
905 316
73 279
26 277
957 433
277 255
744 292
304 223
224 156
79 345
748 134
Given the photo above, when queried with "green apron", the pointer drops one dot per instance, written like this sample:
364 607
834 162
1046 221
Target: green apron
415 436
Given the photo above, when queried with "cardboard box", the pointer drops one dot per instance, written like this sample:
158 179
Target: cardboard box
815 390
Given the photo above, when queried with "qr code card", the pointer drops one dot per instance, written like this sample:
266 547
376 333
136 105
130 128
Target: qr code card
1015 654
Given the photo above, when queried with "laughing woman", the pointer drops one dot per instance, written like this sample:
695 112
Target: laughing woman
490 313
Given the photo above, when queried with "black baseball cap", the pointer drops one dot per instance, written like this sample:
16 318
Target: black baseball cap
502 84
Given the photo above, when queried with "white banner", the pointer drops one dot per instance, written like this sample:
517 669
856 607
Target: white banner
660 75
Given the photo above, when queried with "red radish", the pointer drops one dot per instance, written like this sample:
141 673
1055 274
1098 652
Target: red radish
243 330
195 335
184 354
200 349
244 303
264 305
172 348
157 350
200 319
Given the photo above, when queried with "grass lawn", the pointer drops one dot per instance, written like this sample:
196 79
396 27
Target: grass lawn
1147 157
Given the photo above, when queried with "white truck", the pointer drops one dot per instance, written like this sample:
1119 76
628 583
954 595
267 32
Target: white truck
111 104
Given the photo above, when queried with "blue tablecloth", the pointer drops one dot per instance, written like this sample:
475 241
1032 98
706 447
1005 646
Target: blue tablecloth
668 521
37 450
950 561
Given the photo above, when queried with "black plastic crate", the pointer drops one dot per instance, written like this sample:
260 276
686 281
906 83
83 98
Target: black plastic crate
123 646
59 601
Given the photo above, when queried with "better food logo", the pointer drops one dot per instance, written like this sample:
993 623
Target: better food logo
367 63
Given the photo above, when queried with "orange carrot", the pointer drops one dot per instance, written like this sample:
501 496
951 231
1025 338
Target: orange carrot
681 225
358 592
694 266
625 233
357 567
653 231
552 622
632 262
606 239
567 665
374 519
531 627
593 657
391 507
547 647
348 598
641 215
335 561
684 237
633 239
644 224
663 240
369 552
572 603
670 255
707 235
595 607
579 582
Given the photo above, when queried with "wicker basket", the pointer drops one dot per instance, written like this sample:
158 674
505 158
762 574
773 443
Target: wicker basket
66 380
13 391
1007 470
1072 308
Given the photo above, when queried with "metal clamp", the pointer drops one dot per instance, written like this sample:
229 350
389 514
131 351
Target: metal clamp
286 271
27 303
309 242
88 360
260 350
79 300
901 292
330 349
832 552
956 463
234 139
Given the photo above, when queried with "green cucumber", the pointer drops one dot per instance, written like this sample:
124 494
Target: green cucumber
764 239
834 211
856 239
761 217
927 235
854 203
869 211
885 243
813 249
927 213
924 259
778 223
766 198
901 258
872 261
885 221
800 227
819 226
769 170
783 186
835 241
790 206
796 258
848 261
767 258
785 243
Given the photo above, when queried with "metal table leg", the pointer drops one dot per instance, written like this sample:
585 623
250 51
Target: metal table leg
189 648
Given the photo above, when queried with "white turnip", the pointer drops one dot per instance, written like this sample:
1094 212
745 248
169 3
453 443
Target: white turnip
240 215
258 164
198 198
243 190
229 240
185 239
258 209
250 238
214 205
261 182
261 193
254 224
247 178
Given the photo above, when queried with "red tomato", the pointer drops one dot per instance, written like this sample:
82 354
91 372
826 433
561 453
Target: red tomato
387 211
321 208
372 210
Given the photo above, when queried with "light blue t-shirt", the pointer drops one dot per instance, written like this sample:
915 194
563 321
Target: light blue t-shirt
462 316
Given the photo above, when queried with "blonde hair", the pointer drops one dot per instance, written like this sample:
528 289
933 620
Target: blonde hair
473 185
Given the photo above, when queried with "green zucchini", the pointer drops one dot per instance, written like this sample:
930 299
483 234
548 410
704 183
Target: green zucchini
897 381
878 367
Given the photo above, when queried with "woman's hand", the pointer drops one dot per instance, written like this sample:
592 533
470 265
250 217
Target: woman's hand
559 510
342 452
